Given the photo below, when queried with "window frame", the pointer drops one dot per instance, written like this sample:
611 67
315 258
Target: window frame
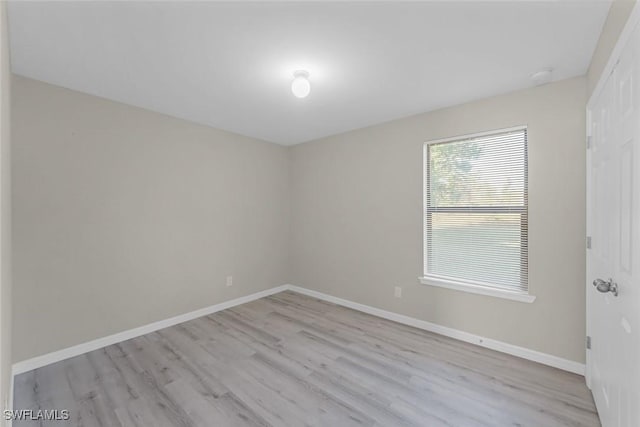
463 285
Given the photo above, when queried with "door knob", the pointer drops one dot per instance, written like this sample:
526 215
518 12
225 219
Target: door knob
606 286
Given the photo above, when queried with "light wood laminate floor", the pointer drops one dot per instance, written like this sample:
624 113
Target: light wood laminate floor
292 360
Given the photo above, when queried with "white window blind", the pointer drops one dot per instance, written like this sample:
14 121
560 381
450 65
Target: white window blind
475 223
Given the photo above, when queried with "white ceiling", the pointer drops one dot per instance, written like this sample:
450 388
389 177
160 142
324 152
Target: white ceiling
229 65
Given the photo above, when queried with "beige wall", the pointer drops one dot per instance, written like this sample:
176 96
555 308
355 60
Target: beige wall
5 214
616 19
124 217
357 218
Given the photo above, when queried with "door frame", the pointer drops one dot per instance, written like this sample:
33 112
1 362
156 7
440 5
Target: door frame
625 35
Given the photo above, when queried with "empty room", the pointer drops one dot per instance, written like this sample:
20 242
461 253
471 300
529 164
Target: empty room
320 213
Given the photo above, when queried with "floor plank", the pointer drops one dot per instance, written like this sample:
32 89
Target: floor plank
290 359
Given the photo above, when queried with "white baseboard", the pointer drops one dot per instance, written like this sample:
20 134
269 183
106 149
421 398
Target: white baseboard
514 350
76 350
525 353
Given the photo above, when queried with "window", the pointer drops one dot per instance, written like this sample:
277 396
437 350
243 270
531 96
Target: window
475 213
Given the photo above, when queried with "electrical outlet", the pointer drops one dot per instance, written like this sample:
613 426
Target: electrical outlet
229 281
397 292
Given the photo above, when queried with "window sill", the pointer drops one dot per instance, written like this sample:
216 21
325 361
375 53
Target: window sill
474 289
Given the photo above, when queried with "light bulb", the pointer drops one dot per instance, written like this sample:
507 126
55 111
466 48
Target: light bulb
300 85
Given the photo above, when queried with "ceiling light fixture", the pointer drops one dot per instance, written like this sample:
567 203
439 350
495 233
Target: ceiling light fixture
300 85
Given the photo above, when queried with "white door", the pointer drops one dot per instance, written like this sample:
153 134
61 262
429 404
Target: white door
613 223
